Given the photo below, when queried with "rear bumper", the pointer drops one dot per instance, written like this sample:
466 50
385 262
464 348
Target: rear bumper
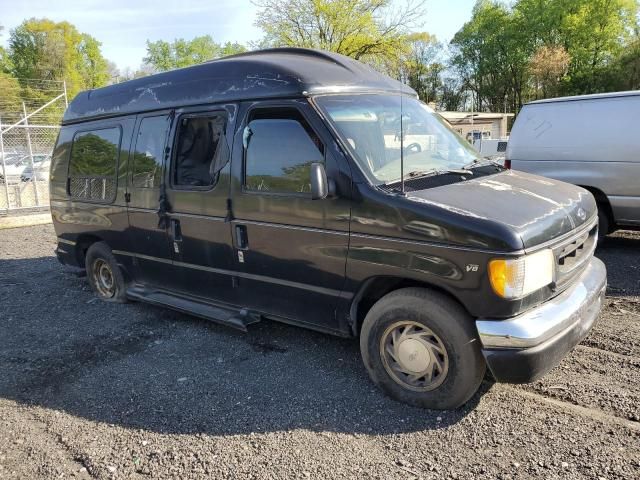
523 348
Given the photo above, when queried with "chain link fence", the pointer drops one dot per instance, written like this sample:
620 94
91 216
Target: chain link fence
28 133
24 171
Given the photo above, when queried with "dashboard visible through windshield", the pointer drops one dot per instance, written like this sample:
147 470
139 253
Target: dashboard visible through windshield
381 129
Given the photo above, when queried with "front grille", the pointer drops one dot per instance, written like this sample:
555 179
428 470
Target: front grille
573 255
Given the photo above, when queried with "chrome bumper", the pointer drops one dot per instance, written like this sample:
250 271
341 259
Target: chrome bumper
575 308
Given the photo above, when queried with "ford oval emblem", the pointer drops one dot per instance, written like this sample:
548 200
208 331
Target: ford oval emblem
582 215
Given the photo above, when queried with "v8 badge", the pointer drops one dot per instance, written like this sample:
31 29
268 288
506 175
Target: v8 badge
472 267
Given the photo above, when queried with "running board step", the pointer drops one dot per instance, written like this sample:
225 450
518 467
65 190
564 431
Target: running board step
239 319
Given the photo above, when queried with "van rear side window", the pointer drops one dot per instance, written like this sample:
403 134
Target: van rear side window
149 153
201 151
94 164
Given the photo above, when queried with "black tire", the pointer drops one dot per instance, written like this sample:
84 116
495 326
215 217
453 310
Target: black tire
100 264
453 328
604 222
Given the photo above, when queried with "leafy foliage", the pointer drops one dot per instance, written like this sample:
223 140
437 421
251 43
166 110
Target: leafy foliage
421 66
10 89
163 56
367 30
5 62
509 54
548 65
47 50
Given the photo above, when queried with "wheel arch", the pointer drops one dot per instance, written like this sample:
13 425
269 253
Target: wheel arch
374 288
602 199
83 242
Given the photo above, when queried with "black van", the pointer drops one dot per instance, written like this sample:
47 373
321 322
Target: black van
304 187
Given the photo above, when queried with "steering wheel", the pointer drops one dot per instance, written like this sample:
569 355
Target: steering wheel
413 148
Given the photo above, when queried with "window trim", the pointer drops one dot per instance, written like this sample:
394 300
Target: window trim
174 149
117 166
134 144
245 123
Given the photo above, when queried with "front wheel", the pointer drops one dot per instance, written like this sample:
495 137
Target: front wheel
421 348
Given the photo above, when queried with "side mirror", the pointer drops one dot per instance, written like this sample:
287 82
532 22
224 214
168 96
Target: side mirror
319 182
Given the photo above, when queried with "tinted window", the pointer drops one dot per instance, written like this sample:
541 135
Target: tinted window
149 152
279 154
201 151
94 163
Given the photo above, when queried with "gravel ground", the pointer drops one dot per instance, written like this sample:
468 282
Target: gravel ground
95 390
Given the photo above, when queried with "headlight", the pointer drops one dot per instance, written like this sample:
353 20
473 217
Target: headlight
518 277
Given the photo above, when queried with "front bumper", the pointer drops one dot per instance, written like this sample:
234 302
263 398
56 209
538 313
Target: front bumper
523 348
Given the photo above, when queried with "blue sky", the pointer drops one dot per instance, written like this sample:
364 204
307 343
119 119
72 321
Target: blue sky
124 26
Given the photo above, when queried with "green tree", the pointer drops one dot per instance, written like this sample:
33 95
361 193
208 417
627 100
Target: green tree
420 68
163 56
594 33
232 48
10 99
46 50
510 54
367 30
452 93
490 55
5 63
548 65
94 68
624 72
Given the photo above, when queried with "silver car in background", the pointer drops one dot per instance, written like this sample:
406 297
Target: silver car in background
592 141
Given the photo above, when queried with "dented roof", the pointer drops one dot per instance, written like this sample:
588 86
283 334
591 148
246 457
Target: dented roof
272 73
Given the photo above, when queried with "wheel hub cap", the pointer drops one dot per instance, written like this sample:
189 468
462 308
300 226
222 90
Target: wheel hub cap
103 278
414 356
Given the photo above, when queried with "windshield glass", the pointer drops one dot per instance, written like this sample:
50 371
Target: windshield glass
370 126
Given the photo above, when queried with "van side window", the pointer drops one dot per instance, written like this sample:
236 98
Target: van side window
201 151
94 164
149 153
280 147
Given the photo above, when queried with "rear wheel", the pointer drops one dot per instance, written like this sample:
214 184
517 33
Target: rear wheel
421 348
104 274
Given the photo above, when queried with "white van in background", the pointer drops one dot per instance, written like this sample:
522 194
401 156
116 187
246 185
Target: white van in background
592 141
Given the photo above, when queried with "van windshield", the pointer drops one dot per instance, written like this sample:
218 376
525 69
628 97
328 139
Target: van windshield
370 126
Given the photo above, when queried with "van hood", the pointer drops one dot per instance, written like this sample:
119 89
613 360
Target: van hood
533 209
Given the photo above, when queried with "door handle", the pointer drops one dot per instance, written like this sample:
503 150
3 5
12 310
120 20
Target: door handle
242 240
176 235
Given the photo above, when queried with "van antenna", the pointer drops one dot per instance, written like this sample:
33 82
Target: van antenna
401 149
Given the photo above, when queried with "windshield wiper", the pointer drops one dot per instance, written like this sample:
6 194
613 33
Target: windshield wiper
481 163
431 173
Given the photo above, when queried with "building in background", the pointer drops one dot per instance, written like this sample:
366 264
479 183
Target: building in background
479 125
